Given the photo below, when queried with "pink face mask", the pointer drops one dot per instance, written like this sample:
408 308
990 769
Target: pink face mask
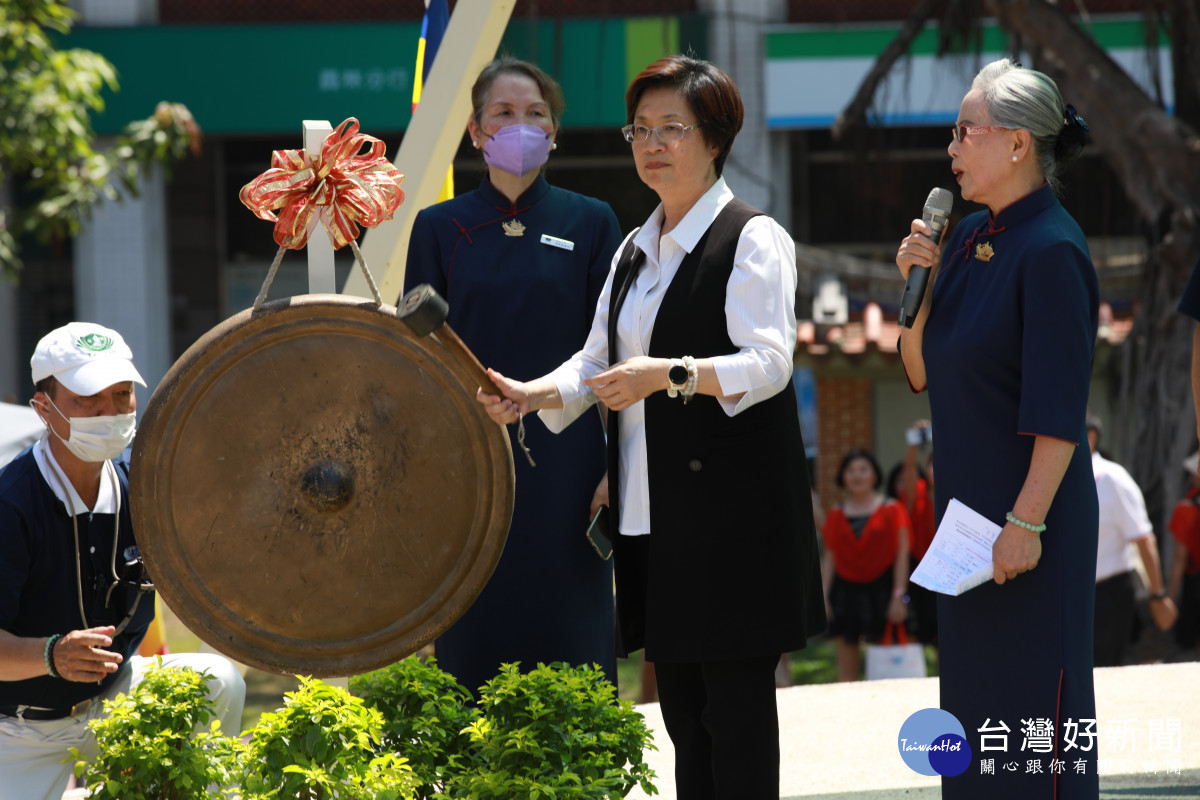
517 149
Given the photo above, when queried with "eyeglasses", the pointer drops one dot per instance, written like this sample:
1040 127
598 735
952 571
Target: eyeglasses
671 132
960 132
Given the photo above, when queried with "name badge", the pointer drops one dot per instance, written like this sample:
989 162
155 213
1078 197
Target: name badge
554 241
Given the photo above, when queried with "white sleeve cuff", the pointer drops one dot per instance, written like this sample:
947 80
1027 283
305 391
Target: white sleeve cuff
576 399
748 380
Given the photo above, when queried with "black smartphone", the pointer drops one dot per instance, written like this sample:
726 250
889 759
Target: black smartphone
597 534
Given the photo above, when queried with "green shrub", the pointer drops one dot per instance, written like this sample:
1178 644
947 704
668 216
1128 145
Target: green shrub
323 744
425 712
556 732
151 746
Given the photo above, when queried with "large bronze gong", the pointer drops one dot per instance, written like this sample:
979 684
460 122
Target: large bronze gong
315 488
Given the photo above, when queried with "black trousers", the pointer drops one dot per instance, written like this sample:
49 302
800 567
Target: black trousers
1116 607
723 720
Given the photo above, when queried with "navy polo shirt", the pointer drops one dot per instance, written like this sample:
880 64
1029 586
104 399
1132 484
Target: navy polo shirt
39 590
1189 304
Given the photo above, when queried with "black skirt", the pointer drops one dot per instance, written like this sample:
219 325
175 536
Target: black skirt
860 609
922 611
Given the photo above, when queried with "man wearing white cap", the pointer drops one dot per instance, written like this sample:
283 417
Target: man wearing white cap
74 603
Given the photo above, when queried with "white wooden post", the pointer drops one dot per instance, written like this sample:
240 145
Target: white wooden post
320 248
432 138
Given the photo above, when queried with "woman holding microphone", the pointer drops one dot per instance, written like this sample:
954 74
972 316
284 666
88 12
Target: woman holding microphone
1004 342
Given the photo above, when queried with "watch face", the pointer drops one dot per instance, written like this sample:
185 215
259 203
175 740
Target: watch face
678 374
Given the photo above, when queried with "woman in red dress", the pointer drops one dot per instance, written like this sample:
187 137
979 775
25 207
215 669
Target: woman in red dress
865 566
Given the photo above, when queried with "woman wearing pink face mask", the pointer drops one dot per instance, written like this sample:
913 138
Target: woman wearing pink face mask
521 264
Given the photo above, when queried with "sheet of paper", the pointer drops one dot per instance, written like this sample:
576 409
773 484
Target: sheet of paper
960 556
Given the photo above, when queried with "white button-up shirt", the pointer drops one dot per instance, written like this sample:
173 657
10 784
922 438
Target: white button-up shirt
1123 518
760 317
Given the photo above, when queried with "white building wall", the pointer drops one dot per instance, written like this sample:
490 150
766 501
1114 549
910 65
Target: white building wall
121 264
758 170
121 276
116 12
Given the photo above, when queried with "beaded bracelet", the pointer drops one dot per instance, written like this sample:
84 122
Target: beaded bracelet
1021 524
48 655
693 381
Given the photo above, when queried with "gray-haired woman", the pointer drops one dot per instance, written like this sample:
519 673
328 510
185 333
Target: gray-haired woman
1005 342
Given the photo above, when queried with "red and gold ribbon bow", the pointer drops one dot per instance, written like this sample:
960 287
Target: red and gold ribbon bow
341 187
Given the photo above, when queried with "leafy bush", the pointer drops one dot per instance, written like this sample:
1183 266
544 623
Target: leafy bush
556 732
323 744
425 712
149 747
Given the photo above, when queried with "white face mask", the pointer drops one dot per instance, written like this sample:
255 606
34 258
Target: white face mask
97 438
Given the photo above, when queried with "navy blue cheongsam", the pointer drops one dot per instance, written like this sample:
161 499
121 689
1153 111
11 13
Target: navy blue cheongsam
522 280
1008 352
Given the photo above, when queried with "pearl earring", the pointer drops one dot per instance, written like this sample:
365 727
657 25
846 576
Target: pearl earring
1014 159
554 145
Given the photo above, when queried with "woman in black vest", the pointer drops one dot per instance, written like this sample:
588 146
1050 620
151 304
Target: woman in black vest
691 351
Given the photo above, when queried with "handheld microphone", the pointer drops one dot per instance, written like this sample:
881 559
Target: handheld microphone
937 214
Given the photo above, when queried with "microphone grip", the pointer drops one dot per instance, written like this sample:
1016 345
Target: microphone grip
914 293
918 277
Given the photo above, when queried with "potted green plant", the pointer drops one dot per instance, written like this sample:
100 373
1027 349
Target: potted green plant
555 732
426 713
153 743
323 744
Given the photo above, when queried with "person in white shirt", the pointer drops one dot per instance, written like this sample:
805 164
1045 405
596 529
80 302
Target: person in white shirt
690 349
1125 529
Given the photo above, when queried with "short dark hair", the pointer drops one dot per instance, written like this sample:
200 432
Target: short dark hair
49 385
710 94
863 454
552 93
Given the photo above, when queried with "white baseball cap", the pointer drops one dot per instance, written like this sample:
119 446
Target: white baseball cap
84 357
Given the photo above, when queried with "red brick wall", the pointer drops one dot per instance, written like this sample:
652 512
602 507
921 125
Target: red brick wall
845 420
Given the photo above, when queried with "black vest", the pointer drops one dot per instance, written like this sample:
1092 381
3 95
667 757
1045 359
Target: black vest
730 568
